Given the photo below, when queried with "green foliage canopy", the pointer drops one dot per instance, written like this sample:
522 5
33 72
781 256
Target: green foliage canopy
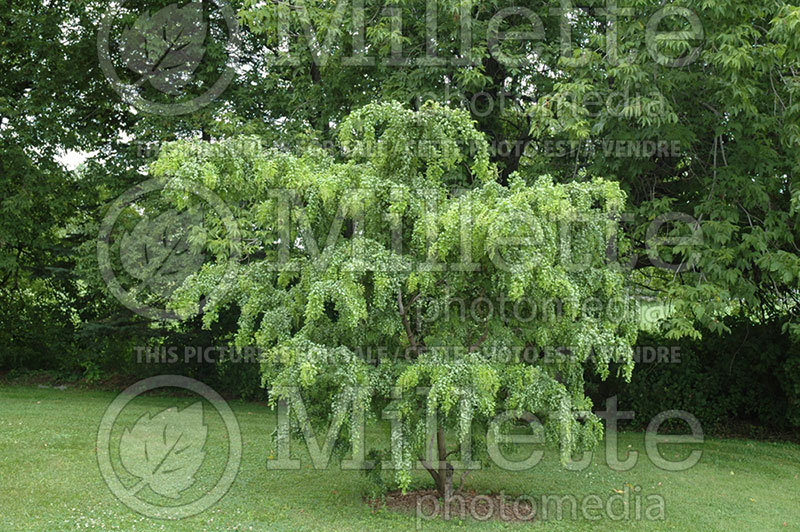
376 250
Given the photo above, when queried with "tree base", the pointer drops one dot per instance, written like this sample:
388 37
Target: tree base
427 505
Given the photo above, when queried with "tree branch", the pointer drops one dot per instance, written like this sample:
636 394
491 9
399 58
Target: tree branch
480 341
431 470
462 479
406 325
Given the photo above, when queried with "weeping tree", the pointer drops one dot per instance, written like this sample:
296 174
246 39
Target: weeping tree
397 272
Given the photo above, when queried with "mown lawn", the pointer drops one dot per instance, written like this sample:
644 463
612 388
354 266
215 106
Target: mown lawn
50 481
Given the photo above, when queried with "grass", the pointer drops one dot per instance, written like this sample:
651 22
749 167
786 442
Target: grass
50 481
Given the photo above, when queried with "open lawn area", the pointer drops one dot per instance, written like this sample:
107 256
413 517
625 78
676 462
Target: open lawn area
50 481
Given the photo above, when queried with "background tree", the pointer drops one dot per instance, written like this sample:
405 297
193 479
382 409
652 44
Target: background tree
587 89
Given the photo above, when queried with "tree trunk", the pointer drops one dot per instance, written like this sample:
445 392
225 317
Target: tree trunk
444 482
441 472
